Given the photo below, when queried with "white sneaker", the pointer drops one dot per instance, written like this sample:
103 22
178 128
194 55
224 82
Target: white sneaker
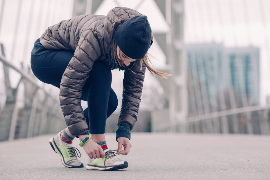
112 161
69 155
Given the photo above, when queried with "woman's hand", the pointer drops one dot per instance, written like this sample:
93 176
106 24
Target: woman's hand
92 149
123 141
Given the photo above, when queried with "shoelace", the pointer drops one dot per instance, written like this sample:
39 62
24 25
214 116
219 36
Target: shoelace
111 153
74 152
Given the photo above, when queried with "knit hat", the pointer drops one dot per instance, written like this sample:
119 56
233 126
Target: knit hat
134 37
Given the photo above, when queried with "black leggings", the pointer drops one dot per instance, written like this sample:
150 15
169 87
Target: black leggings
49 65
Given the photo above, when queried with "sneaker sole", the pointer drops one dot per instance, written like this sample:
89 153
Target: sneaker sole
57 151
107 168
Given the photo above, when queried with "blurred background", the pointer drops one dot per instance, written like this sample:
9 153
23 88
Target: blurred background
217 51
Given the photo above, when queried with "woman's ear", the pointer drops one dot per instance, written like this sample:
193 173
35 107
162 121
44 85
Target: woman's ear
151 42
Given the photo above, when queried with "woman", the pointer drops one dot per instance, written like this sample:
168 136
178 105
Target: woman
77 56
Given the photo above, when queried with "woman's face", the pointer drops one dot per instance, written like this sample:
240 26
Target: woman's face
123 59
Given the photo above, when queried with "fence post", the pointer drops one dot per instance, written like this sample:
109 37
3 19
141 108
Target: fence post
249 123
266 122
235 123
225 128
41 112
29 92
8 110
32 118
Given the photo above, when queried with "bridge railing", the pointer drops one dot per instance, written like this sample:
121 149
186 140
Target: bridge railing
40 112
27 107
248 120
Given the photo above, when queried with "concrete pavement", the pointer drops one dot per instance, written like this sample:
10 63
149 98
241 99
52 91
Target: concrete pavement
153 156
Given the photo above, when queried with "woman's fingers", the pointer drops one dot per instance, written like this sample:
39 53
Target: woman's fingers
127 148
96 151
101 152
122 141
93 150
90 155
119 146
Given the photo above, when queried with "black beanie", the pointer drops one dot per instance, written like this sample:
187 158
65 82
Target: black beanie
134 37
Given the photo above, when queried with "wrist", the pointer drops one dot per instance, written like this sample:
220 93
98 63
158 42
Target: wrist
81 137
123 131
85 140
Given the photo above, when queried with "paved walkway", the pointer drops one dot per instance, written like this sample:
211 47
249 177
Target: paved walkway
153 156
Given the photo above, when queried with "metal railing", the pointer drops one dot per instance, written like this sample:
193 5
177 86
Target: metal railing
37 116
246 120
28 109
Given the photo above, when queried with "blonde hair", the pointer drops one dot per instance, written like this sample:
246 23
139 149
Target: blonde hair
145 59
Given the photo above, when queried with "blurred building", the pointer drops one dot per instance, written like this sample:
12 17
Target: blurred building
245 63
221 78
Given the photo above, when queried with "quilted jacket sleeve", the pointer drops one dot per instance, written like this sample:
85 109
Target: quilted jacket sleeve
73 80
132 91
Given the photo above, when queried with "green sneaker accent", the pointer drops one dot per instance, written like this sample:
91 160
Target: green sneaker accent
112 161
65 152
69 155
98 162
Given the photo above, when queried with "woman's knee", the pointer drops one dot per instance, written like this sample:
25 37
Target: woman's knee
113 104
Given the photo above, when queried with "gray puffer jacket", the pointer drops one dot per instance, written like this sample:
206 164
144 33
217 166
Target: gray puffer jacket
90 38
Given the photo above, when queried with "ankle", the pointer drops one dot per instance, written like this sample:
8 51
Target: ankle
68 132
98 137
66 138
103 145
